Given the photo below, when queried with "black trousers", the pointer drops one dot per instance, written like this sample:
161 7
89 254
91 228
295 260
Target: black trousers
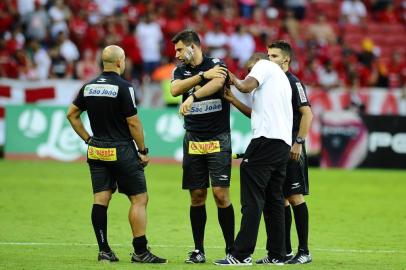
264 164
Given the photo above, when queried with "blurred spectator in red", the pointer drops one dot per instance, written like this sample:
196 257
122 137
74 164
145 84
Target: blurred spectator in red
327 77
132 51
309 72
78 26
298 7
60 68
60 14
94 35
7 14
397 70
37 23
388 14
8 66
242 45
353 11
88 67
149 34
133 11
24 65
321 31
15 39
67 48
216 42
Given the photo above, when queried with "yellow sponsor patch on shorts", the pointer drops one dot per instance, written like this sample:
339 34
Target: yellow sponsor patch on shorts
201 148
104 154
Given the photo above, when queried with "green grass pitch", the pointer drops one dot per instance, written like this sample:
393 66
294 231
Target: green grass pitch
357 219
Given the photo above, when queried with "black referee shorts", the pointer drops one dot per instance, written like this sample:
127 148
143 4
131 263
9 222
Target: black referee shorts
115 164
204 159
297 181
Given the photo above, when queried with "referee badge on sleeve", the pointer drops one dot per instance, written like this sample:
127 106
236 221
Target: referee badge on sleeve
301 91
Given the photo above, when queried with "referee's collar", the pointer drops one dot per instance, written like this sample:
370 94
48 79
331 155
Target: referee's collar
110 73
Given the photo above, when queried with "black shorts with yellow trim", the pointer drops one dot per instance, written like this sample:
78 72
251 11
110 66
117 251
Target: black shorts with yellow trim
206 161
297 179
115 164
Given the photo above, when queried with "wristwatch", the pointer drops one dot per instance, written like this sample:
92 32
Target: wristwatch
144 152
201 74
299 140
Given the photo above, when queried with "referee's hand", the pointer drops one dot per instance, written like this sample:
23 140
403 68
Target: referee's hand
185 107
295 151
216 72
144 159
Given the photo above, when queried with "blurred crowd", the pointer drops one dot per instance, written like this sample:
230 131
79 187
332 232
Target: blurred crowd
347 43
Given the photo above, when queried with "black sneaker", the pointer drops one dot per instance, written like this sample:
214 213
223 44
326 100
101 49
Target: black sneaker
107 256
270 260
147 257
289 256
196 256
301 257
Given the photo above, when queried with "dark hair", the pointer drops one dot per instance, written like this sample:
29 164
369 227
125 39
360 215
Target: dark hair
255 58
283 45
187 37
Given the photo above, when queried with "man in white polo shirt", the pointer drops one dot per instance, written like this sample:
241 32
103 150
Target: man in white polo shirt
264 161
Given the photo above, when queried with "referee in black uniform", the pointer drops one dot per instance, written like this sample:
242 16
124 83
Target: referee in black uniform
207 142
113 159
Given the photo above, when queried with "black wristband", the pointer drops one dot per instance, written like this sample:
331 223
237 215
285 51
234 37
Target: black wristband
194 96
143 152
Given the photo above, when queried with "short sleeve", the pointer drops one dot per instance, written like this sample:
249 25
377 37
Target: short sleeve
127 101
79 101
177 74
260 71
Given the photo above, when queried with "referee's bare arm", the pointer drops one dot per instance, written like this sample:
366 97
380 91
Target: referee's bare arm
179 87
228 95
210 88
136 130
73 116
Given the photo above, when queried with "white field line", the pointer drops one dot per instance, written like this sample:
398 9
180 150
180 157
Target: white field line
334 250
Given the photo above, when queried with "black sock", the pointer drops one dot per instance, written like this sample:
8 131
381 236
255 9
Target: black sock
288 224
140 244
99 221
198 220
302 225
227 224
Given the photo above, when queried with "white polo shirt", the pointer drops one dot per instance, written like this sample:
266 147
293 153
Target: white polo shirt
272 115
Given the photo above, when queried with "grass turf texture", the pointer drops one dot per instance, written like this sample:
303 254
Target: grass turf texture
357 219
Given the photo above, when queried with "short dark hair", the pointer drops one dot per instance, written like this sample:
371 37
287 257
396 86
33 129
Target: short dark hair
187 37
283 45
255 58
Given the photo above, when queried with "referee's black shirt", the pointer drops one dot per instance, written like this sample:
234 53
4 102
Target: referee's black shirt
108 100
299 99
215 115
